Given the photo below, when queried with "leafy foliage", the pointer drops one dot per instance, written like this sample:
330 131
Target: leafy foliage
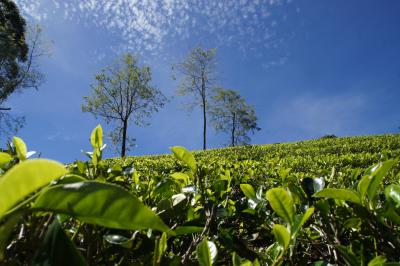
123 93
230 114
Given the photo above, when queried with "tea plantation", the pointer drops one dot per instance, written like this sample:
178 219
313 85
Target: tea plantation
333 201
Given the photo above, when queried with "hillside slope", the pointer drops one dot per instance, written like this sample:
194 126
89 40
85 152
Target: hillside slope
299 159
317 201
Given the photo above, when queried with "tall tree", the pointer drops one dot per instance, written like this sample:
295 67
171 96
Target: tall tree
198 72
230 114
20 47
122 93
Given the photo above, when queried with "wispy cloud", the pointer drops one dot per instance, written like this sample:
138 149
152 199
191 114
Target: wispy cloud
152 26
317 115
58 136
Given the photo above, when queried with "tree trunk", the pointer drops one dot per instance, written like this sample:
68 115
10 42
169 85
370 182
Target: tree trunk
124 129
203 97
233 129
204 125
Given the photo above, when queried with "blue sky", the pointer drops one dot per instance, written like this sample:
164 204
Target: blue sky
309 67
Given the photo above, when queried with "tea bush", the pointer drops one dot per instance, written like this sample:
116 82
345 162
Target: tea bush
319 202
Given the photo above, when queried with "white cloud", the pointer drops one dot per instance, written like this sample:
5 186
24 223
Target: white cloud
151 26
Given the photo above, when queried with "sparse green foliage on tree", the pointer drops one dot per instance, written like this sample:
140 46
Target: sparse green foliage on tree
198 72
122 93
231 114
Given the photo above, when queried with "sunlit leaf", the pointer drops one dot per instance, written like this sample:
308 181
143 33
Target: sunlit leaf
102 204
181 177
392 192
159 249
96 138
339 194
282 235
5 158
25 178
20 148
248 191
185 156
376 176
377 261
206 253
300 219
282 203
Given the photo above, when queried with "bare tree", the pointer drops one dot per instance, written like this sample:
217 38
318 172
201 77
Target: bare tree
198 72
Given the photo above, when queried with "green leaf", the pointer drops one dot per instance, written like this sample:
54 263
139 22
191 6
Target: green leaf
256 262
159 249
238 261
57 249
163 243
352 223
300 219
20 148
70 178
339 194
392 192
25 178
96 138
377 261
369 183
206 253
248 191
119 240
348 255
185 230
273 252
282 235
322 263
181 177
6 228
391 214
102 204
5 158
185 156
282 203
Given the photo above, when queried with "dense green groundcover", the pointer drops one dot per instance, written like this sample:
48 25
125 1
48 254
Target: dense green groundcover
319 202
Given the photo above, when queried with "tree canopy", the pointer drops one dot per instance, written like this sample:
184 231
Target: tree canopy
231 114
122 92
20 47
